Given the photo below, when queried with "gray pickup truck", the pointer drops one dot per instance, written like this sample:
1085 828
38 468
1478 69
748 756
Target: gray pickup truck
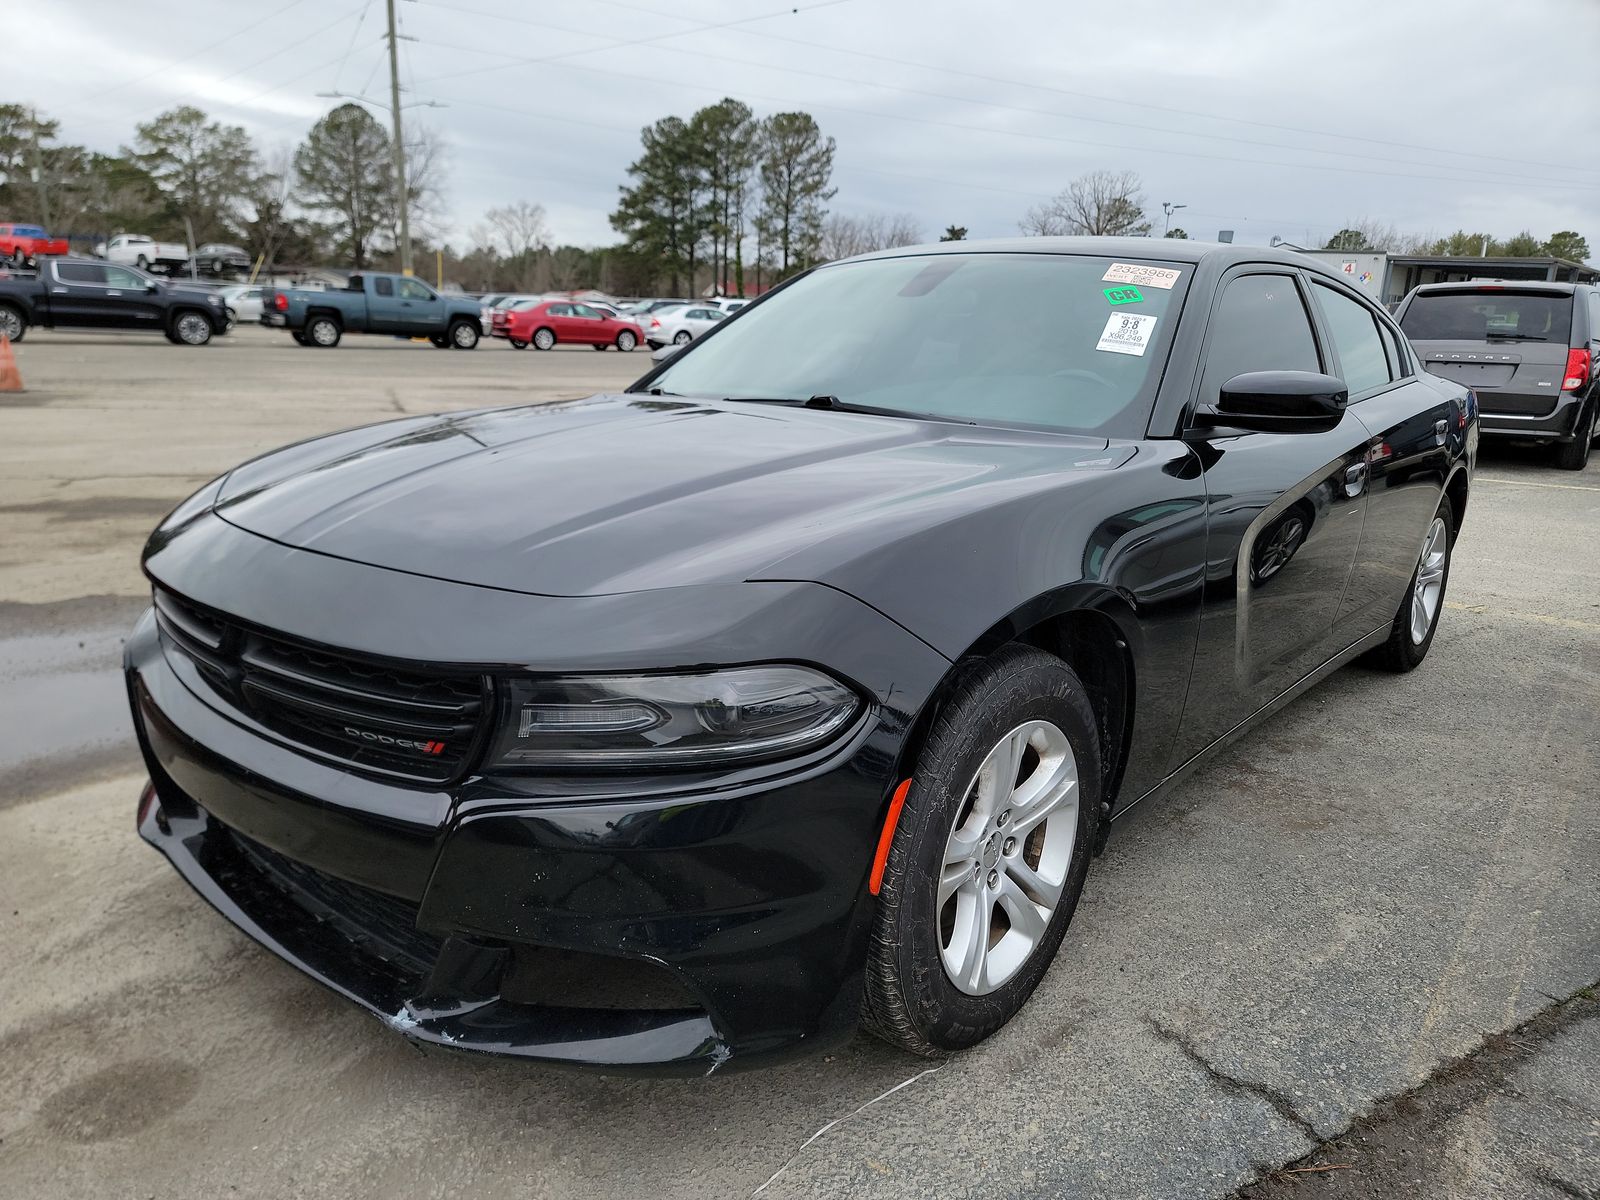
398 305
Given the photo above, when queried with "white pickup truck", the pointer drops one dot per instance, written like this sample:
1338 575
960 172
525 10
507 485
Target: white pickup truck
136 250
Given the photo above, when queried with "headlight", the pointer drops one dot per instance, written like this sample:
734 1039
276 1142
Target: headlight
666 721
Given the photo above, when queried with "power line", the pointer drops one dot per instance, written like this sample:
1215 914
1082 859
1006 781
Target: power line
616 43
354 34
1365 157
1432 176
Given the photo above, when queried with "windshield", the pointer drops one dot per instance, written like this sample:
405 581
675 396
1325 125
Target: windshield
1061 341
1479 316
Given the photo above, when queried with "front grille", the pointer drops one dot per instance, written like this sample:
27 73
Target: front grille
394 722
382 926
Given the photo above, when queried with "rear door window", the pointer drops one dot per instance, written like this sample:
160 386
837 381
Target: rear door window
1491 313
1355 334
1260 324
87 273
384 287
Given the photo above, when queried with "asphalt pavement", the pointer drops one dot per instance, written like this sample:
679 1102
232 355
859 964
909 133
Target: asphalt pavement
1351 953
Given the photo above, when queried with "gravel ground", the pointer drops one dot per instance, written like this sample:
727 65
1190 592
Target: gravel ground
1301 953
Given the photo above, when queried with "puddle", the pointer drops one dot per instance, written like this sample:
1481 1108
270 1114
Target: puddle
63 697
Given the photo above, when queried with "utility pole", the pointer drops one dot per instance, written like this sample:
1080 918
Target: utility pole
402 199
1168 208
40 184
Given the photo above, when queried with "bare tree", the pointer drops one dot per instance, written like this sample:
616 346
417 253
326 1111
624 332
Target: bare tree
518 232
1101 203
844 235
427 164
1365 234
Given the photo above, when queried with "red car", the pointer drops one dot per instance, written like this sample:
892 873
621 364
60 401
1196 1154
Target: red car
544 325
24 244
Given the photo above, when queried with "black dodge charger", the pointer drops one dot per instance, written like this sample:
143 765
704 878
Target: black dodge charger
797 685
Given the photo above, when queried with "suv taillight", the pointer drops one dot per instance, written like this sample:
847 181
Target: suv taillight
1577 370
280 302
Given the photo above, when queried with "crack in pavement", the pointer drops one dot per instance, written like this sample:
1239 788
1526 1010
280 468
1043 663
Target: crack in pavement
1399 1131
1280 1103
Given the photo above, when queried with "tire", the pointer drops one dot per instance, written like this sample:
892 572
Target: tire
142 263
231 321
463 335
626 341
1574 455
1022 696
18 258
192 329
440 342
544 339
517 343
599 345
1405 650
299 337
216 266
682 338
12 323
323 333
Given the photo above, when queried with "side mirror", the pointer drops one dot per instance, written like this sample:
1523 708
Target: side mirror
1278 402
152 286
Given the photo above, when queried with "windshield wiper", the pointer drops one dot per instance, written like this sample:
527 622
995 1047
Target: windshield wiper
1492 336
833 404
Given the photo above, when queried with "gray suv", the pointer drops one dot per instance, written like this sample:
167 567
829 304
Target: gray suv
1529 350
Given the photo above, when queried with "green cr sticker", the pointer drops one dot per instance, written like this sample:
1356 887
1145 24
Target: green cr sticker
1123 295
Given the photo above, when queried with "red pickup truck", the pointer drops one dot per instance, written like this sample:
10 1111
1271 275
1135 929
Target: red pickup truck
25 244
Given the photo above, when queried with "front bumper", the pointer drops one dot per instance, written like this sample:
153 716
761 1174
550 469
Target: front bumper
665 926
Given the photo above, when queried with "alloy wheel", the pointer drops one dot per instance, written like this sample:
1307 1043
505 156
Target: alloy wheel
10 323
193 329
682 337
1428 590
324 333
544 339
626 340
1006 859
466 337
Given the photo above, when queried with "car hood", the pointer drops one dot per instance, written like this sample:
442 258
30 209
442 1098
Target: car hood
627 493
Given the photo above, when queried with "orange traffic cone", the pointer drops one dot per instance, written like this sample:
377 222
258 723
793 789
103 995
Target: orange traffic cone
10 377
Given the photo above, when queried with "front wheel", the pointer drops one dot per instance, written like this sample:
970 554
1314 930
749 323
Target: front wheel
1574 455
626 341
543 339
1418 618
989 856
142 263
463 335
11 323
192 329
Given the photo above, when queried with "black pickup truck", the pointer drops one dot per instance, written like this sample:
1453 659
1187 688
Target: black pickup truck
86 293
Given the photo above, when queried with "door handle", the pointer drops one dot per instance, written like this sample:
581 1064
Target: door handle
112 292
1355 479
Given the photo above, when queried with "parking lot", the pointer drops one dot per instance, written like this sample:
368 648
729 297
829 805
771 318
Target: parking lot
1311 940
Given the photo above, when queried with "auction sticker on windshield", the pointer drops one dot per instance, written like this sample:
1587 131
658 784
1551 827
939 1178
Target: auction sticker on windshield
1158 277
1127 333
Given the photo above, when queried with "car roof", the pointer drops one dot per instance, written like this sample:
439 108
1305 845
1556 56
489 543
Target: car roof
1180 250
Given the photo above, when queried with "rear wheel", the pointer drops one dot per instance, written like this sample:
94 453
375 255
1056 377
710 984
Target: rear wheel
1418 618
463 335
626 341
989 856
323 333
682 338
11 323
440 342
543 339
1574 455
517 343
599 345
142 263
18 258
299 337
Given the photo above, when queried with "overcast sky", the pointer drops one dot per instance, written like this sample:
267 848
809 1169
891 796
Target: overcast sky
1282 117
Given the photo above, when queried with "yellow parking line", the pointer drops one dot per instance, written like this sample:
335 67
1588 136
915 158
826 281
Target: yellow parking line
1538 618
1565 487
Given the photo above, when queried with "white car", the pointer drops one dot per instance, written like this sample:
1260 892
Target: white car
679 325
245 301
136 250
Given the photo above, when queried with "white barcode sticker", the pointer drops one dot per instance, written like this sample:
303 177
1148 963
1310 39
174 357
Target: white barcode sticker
1141 275
1127 333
